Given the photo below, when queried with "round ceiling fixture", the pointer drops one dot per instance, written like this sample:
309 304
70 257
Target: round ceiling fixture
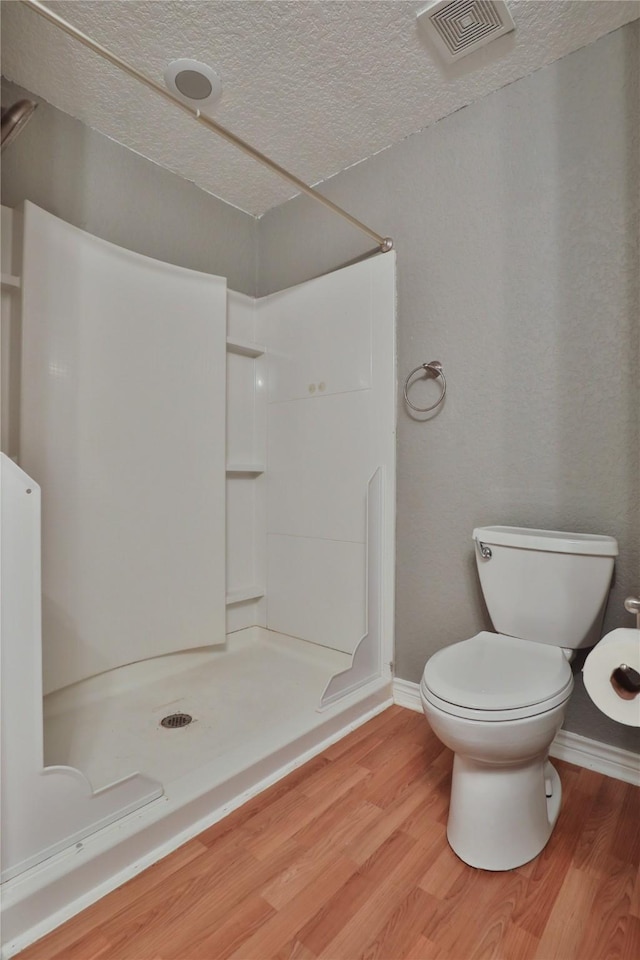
195 83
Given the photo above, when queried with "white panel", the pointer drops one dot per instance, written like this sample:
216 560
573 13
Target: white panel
241 521
28 788
319 336
317 590
366 664
241 311
8 262
10 237
246 447
323 451
123 426
241 443
320 460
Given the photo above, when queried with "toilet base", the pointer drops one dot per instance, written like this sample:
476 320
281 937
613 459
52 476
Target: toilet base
500 815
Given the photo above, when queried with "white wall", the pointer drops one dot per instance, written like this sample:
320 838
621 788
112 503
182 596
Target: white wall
72 809
122 423
246 463
330 426
516 226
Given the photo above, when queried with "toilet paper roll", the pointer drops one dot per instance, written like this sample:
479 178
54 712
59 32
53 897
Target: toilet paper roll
618 647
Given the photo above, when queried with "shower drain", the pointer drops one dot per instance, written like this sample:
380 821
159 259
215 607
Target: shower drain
176 720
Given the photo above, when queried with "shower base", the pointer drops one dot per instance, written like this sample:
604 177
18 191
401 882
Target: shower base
246 700
255 718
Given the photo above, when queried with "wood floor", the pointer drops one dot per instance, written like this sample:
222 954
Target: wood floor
347 858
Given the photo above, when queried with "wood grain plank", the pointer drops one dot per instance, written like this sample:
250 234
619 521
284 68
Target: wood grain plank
384 897
404 927
492 905
626 838
225 939
305 810
381 726
365 842
253 806
200 901
316 859
347 857
634 907
336 826
295 951
548 871
605 928
336 911
562 935
285 925
87 924
599 827
631 946
518 944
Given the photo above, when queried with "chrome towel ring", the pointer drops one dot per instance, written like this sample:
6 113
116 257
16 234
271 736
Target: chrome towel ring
434 368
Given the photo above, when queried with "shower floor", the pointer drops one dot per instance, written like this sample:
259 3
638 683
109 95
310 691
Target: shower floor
247 699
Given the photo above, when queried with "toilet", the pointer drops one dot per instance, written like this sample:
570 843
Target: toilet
498 699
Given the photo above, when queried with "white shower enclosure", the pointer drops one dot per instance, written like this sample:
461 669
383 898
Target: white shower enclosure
189 475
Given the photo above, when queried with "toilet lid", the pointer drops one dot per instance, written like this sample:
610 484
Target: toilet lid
495 672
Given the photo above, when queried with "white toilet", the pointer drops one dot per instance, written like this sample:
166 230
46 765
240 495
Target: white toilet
498 699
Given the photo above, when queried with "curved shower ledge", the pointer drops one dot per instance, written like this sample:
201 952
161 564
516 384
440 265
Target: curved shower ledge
48 894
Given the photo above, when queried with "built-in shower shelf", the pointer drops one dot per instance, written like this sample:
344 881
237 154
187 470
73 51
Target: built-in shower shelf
245 469
243 596
11 282
244 348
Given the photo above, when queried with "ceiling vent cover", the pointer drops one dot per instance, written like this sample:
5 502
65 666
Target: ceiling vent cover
458 27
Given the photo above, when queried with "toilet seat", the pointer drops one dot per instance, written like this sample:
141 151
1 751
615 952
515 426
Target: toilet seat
495 677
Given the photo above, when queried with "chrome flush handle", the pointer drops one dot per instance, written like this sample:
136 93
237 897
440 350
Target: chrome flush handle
485 551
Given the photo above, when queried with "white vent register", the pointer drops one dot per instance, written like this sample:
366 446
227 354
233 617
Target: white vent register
458 27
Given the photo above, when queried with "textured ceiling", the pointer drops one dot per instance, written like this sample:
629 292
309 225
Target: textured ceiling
317 85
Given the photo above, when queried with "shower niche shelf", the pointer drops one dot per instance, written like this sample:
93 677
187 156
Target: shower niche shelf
9 282
244 348
244 596
245 469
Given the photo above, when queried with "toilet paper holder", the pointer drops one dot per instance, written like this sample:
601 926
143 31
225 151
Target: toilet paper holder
626 681
632 605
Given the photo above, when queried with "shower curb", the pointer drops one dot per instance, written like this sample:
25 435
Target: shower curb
572 747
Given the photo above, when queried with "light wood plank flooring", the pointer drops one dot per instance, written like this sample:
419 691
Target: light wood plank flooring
347 858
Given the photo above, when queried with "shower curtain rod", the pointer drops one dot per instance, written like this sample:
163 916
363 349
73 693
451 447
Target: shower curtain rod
385 243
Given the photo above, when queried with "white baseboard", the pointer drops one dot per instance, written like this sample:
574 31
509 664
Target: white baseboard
583 752
594 755
407 694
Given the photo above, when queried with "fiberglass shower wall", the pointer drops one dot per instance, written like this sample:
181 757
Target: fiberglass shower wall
331 460
121 355
112 432
311 464
118 405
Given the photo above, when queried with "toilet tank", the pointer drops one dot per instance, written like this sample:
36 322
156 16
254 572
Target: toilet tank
544 585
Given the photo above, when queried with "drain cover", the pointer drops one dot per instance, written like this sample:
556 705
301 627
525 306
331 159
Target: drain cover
176 720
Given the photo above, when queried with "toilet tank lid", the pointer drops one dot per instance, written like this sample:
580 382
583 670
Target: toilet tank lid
553 541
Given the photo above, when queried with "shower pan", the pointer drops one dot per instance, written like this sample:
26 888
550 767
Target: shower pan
201 487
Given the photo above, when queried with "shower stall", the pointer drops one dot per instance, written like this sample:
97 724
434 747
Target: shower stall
197 528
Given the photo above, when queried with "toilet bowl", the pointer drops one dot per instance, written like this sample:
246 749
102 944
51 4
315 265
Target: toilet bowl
498 703
497 700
